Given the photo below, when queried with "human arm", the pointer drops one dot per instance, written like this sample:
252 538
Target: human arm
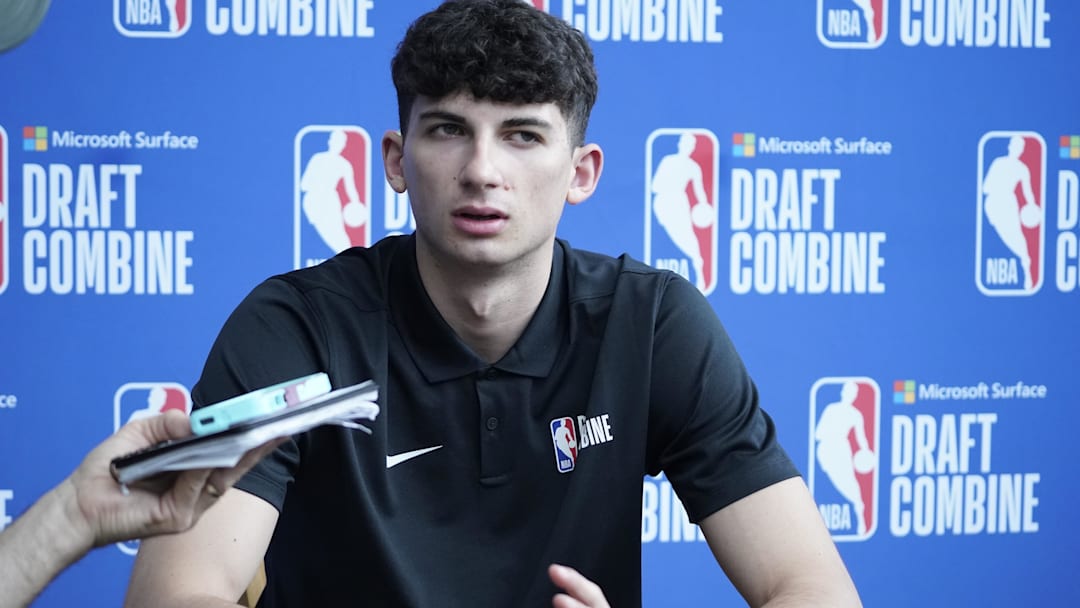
89 509
720 452
210 564
771 544
776 551
265 341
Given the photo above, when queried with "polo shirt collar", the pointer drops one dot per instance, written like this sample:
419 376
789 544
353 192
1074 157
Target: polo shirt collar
441 355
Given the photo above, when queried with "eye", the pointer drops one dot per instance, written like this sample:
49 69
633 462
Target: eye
447 129
526 137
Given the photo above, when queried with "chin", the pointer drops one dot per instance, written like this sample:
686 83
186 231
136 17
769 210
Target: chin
486 257
470 252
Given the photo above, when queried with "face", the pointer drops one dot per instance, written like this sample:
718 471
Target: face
488 181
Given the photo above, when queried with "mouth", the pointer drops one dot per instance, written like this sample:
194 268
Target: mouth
480 221
480 214
481 217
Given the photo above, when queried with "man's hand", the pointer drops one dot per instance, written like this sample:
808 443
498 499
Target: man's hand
100 512
580 592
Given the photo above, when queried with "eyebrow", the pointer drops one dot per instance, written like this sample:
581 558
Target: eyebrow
521 121
440 115
527 122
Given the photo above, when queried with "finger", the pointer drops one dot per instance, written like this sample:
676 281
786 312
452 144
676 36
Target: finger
190 487
188 499
561 600
172 424
177 424
578 588
223 479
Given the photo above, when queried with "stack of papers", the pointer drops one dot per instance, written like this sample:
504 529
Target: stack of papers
225 448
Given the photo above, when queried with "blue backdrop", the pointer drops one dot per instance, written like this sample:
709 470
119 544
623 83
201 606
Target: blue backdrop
879 197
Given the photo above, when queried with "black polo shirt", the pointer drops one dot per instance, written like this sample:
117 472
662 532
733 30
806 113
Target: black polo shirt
478 476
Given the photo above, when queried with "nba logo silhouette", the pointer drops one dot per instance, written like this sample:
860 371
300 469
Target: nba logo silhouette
332 192
852 24
845 415
564 440
1010 232
4 210
681 167
137 400
152 18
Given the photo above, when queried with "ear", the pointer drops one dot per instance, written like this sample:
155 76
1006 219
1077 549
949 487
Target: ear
588 164
393 151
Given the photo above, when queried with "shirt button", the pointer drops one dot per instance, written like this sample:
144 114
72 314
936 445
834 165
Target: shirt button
489 374
492 423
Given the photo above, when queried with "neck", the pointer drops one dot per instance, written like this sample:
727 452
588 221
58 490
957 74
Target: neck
487 307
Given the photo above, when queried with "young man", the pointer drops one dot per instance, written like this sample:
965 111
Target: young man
526 386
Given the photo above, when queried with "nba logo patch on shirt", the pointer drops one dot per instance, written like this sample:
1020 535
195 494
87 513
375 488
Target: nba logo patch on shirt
332 192
1010 233
852 24
681 167
5 210
138 400
564 440
843 472
152 18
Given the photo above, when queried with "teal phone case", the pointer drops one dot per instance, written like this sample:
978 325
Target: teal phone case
250 406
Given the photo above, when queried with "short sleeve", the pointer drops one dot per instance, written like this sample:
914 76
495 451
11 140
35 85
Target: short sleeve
707 430
272 336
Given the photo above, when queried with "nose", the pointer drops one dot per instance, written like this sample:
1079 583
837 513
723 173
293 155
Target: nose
481 167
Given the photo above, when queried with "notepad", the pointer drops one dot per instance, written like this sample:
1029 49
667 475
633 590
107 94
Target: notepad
344 407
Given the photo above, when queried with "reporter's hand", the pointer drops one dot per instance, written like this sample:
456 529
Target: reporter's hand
580 592
100 510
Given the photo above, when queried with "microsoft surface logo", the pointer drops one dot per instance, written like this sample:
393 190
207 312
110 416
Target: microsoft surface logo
742 144
903 391
35 139
1070 146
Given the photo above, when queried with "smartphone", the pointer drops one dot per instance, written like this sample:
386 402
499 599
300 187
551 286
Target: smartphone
249 406
154 467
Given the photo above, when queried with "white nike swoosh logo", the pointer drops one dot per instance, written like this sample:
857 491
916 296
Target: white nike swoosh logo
396 459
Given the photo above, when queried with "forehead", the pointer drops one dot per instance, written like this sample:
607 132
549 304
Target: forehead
484 111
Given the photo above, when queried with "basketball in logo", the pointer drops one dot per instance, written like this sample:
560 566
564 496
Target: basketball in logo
681 204
844 454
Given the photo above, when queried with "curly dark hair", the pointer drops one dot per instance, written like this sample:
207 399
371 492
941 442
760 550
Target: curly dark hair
499 50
